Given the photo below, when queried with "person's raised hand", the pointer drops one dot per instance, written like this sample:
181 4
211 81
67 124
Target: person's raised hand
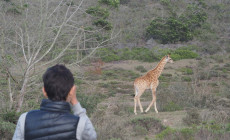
72 98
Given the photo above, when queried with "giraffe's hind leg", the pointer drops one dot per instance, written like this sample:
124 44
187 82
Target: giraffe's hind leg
137 99
135 105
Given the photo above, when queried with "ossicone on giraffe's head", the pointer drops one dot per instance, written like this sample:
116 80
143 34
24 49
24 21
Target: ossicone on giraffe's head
169 59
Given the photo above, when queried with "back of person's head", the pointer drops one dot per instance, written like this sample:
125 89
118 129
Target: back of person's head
58 81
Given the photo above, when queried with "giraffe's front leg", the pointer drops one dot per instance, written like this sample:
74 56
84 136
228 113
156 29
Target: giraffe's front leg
155 107
153 101
149 106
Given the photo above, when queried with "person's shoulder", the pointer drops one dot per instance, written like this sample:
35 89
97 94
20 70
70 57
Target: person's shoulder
23 116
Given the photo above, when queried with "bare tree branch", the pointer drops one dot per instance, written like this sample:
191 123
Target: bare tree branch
98 46
61 53
55 9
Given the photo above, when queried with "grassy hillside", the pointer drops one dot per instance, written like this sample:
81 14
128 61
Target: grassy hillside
193 97
187 99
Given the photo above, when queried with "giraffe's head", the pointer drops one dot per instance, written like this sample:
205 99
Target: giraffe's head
169 59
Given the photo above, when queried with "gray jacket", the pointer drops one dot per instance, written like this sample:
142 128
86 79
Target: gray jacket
85 129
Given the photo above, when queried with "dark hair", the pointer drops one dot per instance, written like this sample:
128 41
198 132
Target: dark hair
58 81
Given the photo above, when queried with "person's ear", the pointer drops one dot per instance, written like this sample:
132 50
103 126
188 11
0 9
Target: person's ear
44 92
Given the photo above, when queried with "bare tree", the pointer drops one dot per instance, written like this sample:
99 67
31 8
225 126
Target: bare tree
39 33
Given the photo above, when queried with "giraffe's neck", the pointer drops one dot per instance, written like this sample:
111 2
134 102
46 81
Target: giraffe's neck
160 66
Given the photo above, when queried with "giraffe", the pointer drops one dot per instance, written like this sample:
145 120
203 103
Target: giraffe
149 81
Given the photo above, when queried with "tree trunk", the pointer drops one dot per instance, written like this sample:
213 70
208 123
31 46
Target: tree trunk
22 92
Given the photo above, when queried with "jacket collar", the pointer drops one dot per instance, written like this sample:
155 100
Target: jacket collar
57 106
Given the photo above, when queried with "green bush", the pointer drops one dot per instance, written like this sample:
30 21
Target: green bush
197 132
119 74
194 16
113 3
6 130
186 79
108 54
100 18
3 81
171 106
164 133
193 117
100 37
180 134
165 2
141 69
214 126
90 101
10 116
177 28
187 133
71 3
103 23
78 81
183 54
98 12
69 57
170 30
145 54
187 71
103 85
146 124
140 130
228 127
142 54
110 73
165 77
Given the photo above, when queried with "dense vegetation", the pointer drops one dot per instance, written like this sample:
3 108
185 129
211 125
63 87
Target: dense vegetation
145 54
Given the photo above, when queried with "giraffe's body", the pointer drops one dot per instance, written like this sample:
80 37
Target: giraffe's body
149 81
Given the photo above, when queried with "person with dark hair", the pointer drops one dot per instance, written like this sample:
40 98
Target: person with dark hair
54 120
